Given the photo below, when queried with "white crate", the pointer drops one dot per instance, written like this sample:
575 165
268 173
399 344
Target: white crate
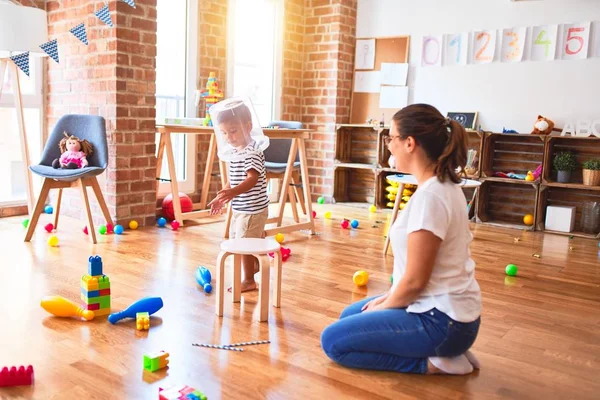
560 218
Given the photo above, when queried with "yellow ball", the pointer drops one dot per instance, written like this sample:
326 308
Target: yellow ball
360 278
133 224
528 219
373 208
327 214
53 241
279 238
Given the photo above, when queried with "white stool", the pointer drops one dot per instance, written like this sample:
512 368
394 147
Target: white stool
258 248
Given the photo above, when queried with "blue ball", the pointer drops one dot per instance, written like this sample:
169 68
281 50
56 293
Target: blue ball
48 209
354 223
162 222
118 229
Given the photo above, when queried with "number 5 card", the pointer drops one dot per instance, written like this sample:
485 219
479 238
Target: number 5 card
576 41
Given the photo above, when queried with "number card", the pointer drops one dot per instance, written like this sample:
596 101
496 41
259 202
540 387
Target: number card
576 41
456 49
431 55
484 46
543 42
513 44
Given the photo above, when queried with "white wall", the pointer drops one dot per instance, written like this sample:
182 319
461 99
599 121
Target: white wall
505 95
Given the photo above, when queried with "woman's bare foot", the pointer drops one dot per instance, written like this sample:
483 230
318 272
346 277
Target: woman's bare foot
458 365
247 286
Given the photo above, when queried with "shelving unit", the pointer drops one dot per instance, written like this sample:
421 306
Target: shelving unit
516 153
504 202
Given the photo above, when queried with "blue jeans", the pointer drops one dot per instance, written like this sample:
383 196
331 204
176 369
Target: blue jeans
395 340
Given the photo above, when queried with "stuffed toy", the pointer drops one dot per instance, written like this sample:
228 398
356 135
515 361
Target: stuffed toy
543 126
74 153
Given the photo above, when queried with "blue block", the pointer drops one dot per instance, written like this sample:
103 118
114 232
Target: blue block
95 265
90 294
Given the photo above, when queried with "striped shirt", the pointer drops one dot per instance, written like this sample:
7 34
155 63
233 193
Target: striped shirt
254 200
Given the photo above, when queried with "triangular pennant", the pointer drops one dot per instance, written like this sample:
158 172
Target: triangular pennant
130 2
104 15
79 32
22 61
51 49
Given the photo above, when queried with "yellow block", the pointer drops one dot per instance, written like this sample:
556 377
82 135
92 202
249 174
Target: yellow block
102 311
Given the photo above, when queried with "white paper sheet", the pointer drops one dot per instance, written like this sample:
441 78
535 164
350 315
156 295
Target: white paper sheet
513 44
393 97
367 81
576 41
431 51
365 54
394 74
543 42
456 49
484 46
596 41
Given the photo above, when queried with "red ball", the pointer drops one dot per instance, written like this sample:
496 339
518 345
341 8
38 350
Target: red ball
314 213
109 228
49 227
85 230
167 205
175 225
345 224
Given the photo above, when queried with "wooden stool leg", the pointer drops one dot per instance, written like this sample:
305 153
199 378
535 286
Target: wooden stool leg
220 282
263 289
277 264
39 207
57 211
237 278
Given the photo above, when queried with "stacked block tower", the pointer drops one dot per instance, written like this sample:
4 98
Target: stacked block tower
95 288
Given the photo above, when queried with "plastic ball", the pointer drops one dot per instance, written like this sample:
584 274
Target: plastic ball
102 229
25 223
162 222
174 225
279 237
511 270
345 223
360 278
321 200
49 228
119 229
109 228
133 225
314 214
528 219
354 223
391 278
48 209
167 205
85 230
327 214
53 241
373 208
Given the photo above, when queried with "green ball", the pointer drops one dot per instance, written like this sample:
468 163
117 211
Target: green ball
391 278
25 223
321 200
102 229
511 269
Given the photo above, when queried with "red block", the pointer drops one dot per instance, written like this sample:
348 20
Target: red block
93 307
16 377
104 292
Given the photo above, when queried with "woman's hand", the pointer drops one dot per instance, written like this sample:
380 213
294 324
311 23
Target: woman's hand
374 303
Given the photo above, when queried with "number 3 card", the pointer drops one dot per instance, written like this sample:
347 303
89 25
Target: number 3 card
576 41
513 44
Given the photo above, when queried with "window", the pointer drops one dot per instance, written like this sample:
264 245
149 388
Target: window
176 71
254 54
13 189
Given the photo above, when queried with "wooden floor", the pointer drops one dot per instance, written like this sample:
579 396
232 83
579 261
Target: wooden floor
539 338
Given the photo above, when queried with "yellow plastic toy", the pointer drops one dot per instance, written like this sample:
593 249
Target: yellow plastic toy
279 237
327 214
142 321
391 196
61 307
530 177
360 278
528 219
133 225
53 241
392 189
372 208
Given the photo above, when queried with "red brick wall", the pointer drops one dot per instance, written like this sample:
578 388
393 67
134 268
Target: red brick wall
33 3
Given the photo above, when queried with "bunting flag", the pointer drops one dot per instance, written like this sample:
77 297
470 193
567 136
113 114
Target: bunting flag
104 15
79 32
51 48
130 2
22 61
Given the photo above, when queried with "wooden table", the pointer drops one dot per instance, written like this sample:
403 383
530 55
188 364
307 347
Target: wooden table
298 137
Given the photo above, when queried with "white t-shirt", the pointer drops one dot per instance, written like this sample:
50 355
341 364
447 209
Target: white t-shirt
440 208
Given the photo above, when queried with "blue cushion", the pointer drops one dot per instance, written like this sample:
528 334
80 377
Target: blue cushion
279 168
65 174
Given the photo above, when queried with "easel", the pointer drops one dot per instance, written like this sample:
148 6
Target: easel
7 65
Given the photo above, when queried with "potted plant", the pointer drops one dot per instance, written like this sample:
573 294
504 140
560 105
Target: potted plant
591 172
565 163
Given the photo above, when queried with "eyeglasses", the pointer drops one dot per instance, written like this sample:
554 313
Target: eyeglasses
388 139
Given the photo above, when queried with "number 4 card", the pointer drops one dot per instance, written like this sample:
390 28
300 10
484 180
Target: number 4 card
576 41
543 42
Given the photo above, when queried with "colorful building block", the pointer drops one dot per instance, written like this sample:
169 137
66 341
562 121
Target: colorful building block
183 392
142 321
156 361
95 293
103 282
95 265
101 312
104 301
16 377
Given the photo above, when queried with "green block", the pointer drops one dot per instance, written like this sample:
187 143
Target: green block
104 282
104 301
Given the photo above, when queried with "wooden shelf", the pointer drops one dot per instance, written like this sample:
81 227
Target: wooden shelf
510 181
503 203
517 153
584 149
339 164
575 233
570 185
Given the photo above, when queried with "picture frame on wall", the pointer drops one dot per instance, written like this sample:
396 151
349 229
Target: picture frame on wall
466 119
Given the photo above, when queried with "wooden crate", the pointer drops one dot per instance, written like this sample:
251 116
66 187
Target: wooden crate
381 200
475 142
516 153
383 152
355 185
505 204
584 149
357 144
563 196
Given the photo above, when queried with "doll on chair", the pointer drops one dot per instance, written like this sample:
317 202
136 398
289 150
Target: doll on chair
74 153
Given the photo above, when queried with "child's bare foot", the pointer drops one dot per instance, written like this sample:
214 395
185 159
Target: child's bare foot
247 286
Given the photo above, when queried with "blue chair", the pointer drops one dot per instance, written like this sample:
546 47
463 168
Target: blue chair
276 157
86 127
